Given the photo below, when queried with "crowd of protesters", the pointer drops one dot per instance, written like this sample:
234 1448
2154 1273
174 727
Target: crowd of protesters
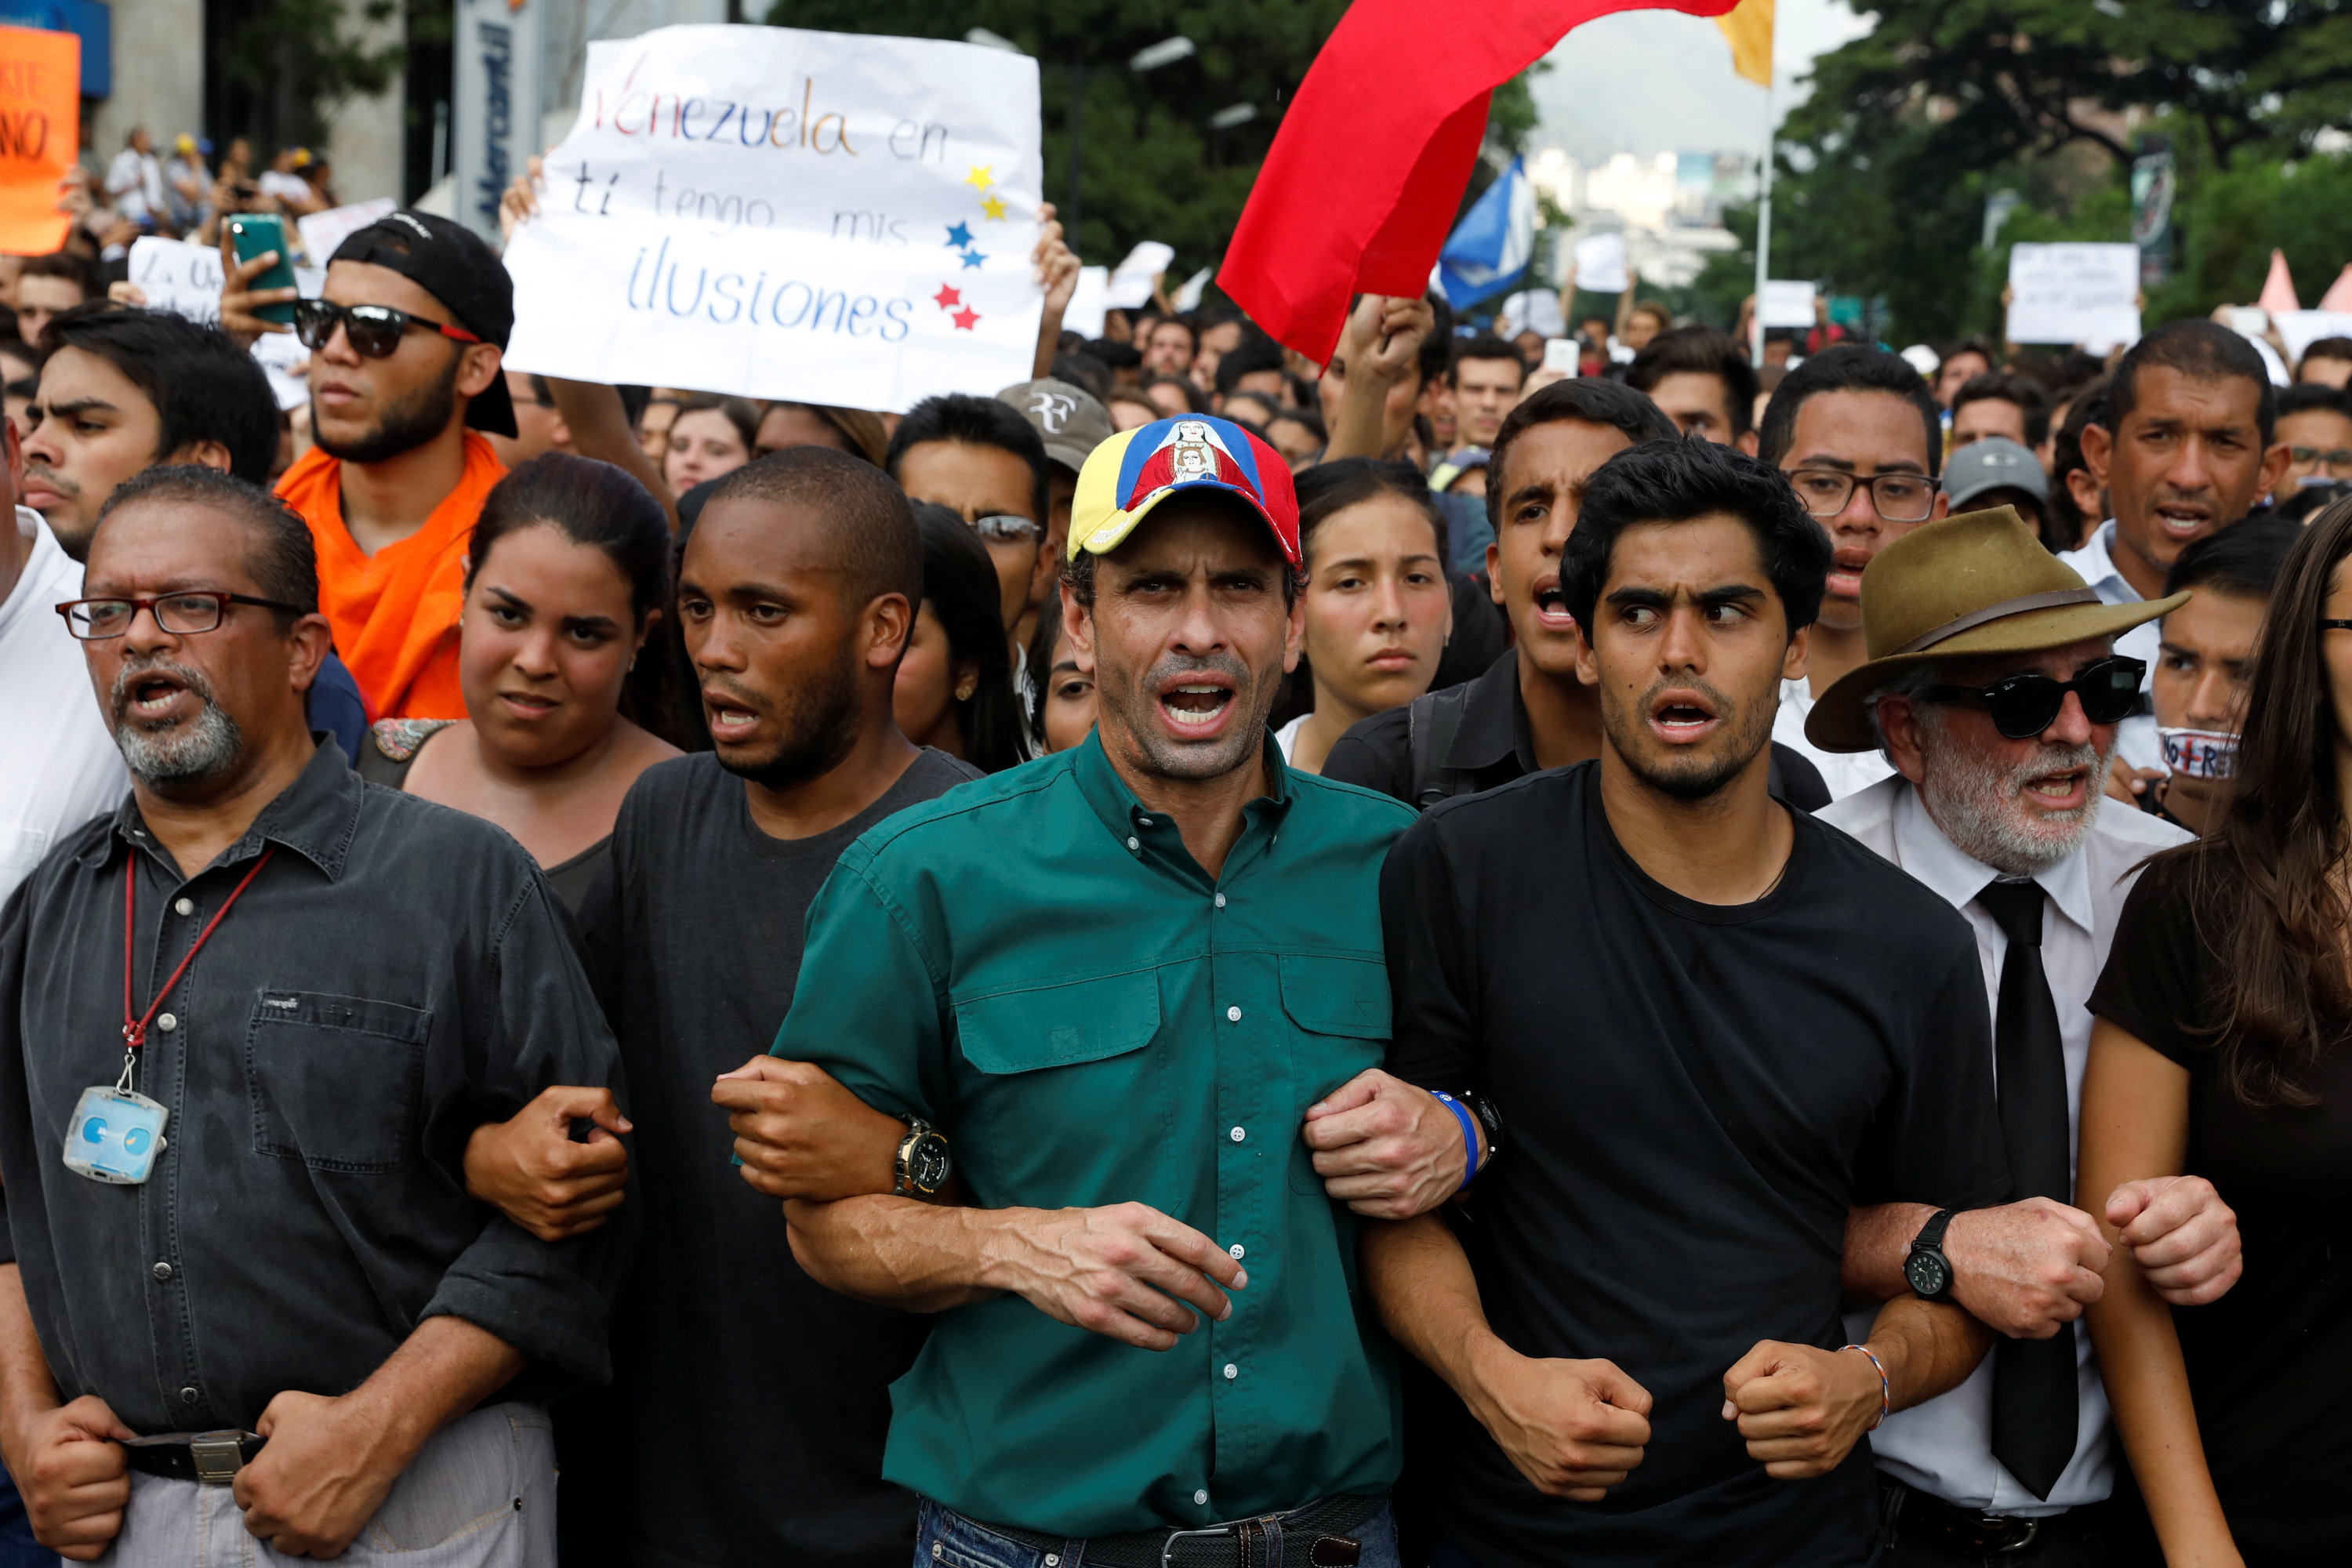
1198 961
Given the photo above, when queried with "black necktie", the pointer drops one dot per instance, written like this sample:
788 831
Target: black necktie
2033 1392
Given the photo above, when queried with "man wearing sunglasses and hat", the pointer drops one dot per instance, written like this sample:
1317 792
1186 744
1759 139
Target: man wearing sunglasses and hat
1993 688
405 349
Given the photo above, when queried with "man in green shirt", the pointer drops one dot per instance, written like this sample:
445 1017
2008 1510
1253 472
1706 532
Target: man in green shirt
1119 980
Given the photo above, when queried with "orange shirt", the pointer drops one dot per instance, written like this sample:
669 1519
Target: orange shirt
394 614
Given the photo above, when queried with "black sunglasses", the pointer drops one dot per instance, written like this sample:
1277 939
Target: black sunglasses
374 331
2025 705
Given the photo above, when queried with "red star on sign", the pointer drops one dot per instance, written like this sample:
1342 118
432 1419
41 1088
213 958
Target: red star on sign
966 319
948 299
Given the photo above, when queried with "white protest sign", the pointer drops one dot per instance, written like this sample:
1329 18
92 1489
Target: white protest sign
1132 280
287 363
2301 329
1600 264
1089 303
1788 302
323 232
2073 293
178 276
776 213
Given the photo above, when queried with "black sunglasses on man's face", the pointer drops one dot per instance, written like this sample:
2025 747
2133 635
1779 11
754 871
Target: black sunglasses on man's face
2025 704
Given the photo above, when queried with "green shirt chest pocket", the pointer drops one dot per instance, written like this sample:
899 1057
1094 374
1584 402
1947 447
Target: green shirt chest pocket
1064 1104
1340 1011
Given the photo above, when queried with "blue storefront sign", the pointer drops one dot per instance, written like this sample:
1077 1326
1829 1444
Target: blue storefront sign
93 21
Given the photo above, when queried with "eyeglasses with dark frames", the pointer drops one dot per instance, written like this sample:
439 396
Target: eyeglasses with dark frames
2025 704
374 330
1896 498
181 615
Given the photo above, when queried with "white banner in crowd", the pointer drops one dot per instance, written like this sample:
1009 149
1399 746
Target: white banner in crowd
323 232
2073 293
1131 282
777 212
1789 302
1600 264
2301 329
178 276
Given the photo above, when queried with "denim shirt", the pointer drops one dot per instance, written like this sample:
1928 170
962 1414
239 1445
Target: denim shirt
396 976
1035 964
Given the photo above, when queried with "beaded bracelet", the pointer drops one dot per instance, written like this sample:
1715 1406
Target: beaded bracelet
1884 1401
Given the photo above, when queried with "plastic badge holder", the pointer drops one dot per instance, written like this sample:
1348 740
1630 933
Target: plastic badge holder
114 1136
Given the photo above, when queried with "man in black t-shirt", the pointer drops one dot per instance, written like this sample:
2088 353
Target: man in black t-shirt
753 1431
1641 1317
1528 711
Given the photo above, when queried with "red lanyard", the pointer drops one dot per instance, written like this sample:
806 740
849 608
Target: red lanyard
134 1030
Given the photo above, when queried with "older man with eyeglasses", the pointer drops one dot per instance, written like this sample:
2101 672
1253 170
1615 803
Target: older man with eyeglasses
406 384
1994 692
244 1294
1862 441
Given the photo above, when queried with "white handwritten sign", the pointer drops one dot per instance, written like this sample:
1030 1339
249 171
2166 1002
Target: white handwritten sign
778 213
178 276
2301 329
323 232
1789 302
2073 293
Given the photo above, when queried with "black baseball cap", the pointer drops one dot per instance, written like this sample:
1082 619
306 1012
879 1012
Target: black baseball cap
457 267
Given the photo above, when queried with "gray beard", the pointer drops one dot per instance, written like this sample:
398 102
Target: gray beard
183 752
1133 701
1980 809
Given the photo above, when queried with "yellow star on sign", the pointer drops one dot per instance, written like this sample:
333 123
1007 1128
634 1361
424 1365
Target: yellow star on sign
980 176
992 205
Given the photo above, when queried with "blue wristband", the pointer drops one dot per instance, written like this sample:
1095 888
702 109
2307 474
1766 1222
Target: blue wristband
1469 1131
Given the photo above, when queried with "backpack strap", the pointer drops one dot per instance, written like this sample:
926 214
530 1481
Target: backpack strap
1430 723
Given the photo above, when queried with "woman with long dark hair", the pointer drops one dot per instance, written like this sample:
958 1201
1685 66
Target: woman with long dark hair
2223 1049
955 684
565 577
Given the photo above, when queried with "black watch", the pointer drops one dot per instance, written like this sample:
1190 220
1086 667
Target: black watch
923 1162
1483 1110
1927 1270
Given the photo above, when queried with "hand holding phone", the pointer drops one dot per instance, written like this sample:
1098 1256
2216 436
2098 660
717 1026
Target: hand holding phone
251 237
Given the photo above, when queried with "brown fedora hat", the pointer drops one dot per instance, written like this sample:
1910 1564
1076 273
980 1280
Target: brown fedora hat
1976 584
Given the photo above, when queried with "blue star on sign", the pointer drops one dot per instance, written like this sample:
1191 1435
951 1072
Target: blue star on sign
972 258
958 237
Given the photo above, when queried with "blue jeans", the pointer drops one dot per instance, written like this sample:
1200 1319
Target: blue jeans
945 1539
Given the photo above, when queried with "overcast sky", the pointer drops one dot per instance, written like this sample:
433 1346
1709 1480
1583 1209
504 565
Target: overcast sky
1660 81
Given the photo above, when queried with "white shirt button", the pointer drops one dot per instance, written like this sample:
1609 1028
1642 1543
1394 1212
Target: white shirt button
1134 843
168 1022
1232 1371
1143 822
1236 1250
1233 1015
1201 1496
1221 900
1239 1134
183 906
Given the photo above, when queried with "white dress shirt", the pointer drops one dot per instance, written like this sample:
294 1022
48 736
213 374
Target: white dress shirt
2136 738
58 767
1945 1447
1843 771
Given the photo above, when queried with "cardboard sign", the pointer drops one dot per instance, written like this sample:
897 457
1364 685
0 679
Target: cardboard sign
321 232
40 126
2073 293
178 276
1788 303
776 213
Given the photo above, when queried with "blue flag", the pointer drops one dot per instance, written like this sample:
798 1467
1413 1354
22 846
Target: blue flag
1488 251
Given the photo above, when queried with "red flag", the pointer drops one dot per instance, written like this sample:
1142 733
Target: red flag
1367 170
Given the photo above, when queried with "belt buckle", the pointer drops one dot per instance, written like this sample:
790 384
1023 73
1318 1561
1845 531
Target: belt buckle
1168 1546
2032 1529
218 1456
